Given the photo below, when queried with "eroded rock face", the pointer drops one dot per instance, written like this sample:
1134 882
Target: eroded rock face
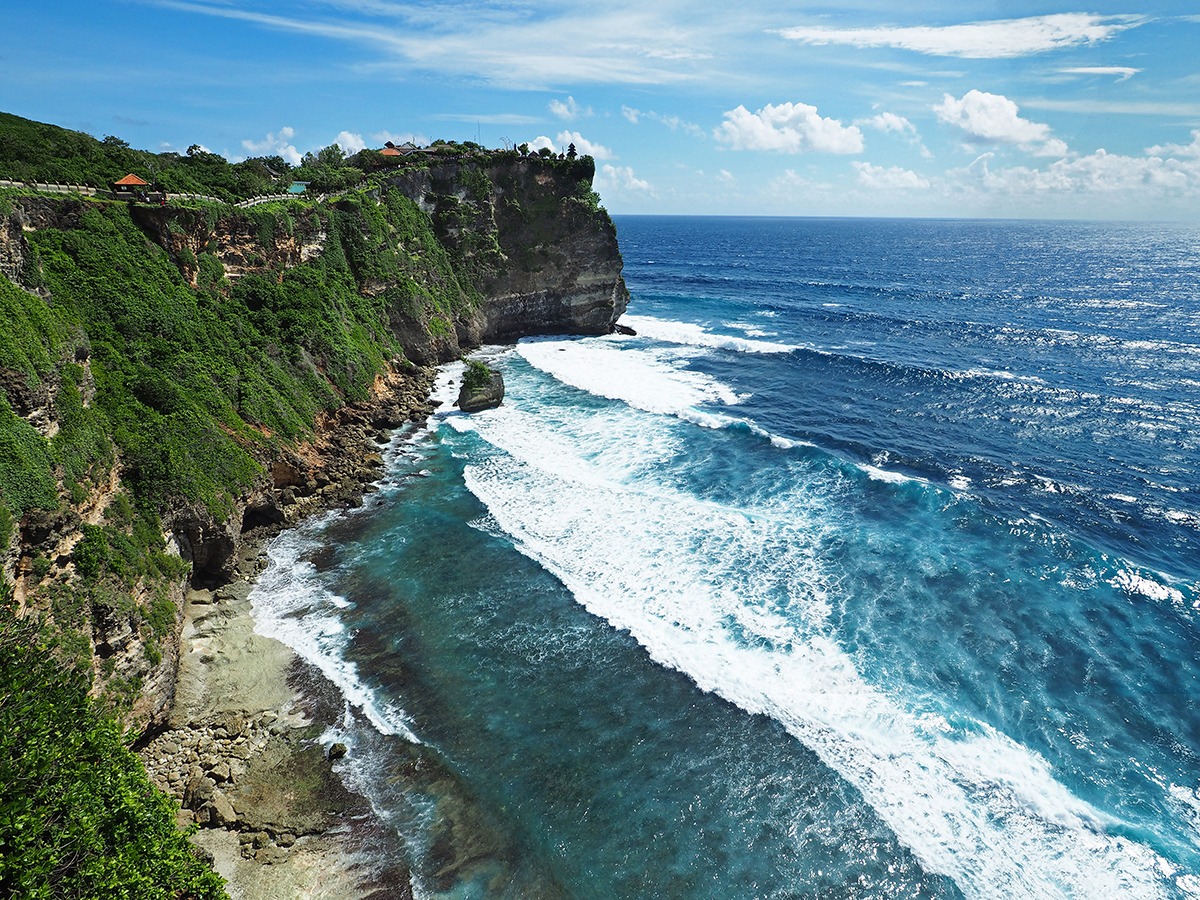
529 253
543 257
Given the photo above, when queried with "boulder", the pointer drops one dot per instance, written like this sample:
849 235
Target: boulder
482 388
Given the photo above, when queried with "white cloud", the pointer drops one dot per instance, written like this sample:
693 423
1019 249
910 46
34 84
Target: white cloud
350 142
994 119
726 176
621 178
887 121
674 123
404 137
1124 73
890 123
1191 150
891 178
570 110
583 146
787 128
1135 179
510 45
275 144
997 39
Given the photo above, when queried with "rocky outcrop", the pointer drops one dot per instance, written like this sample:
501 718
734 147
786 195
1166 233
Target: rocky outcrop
541 254
482 388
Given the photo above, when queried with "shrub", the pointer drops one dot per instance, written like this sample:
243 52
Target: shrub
78 816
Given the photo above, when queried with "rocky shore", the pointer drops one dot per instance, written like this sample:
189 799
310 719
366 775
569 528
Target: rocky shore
242 754
240 749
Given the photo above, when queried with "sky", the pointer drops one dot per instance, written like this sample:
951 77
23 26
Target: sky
943 108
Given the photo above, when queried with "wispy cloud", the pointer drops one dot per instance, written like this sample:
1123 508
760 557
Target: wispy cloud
1123 73
487 118
1177 109
522 45
674 123
890 123
569 110
787 128
619 179
997 39
888 178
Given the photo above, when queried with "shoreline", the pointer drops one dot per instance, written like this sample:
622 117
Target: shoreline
242 754
240 749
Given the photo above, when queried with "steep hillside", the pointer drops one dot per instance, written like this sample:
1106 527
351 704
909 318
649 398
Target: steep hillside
176 378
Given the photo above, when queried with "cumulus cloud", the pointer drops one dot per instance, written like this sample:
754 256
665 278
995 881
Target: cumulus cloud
888 178
1123 73
1101 172
1191 150
621 178
994 119
996 39
787 128
350 142
570 110
275 144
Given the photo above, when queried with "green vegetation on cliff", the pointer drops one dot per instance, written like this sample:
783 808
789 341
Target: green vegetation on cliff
78 816
157 367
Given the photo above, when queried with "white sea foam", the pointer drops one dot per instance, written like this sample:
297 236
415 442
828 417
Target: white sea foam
1133 582
736 599
645 380
291 604
877 474
691 335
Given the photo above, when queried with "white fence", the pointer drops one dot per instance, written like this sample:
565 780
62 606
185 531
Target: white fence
51 188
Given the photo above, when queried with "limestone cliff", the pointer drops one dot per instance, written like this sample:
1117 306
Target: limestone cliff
539 252
428 262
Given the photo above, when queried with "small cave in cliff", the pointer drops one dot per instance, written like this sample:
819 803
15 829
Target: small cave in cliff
261 515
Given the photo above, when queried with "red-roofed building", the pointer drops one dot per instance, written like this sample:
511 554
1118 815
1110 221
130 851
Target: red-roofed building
133 188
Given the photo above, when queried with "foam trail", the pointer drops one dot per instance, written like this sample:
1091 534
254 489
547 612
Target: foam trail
690 335
645 380
290 604
735 599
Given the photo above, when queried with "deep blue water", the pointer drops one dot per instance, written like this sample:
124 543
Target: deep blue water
869 568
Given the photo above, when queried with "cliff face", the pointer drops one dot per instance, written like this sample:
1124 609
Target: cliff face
537 249
337 306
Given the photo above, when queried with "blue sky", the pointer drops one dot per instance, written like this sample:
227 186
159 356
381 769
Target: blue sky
926 107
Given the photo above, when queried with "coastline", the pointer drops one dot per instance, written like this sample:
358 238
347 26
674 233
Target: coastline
242 753
241 749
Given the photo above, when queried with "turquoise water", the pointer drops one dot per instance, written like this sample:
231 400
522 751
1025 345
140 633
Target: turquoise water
867 569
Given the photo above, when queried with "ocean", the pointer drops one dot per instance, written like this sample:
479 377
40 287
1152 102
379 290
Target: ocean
869 567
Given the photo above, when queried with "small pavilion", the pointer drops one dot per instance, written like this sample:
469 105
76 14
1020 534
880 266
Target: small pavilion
129 187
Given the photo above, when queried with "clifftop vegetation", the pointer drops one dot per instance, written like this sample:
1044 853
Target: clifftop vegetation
35 152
